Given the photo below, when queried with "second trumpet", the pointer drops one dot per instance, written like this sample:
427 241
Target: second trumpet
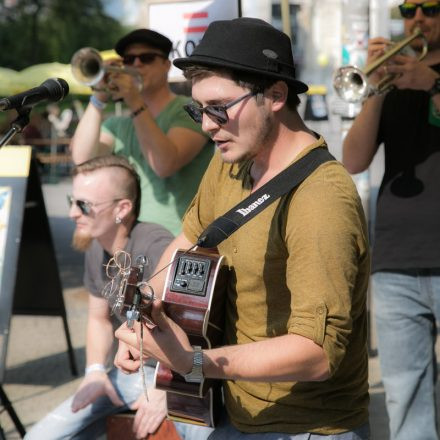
351 83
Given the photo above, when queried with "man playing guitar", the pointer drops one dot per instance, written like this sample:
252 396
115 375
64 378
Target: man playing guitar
293 362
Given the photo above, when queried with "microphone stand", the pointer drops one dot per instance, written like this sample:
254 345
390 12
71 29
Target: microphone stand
17 125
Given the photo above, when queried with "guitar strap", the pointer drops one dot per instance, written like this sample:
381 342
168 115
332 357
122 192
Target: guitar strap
222 227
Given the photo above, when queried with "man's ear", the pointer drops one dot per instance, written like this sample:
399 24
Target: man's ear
124 208
278 93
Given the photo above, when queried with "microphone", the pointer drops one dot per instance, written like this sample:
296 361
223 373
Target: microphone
53 89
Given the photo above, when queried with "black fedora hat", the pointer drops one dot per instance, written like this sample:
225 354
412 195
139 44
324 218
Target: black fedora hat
248 45
147 36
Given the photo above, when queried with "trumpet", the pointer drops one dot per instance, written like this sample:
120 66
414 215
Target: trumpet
351 83
88 68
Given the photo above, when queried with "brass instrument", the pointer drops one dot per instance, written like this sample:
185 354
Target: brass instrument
88 68
351 83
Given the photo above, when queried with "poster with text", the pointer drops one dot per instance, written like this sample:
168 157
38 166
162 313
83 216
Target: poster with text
184 23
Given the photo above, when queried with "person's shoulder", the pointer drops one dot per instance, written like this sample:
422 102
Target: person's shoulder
93 253
177 103
141 229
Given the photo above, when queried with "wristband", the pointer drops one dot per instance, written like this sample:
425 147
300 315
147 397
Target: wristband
139 110
95 367
100 105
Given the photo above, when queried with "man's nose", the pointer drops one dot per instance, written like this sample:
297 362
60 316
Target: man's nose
209 124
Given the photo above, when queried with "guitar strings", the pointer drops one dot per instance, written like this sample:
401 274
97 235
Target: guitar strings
170 263
141 351
141 339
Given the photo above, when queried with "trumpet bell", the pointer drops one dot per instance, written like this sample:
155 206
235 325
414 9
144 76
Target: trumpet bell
351 84
87 66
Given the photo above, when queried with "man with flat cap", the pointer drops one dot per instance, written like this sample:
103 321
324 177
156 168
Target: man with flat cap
294 359
168 149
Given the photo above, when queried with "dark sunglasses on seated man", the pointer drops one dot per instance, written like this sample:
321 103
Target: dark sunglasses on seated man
144 58
429 9
85 206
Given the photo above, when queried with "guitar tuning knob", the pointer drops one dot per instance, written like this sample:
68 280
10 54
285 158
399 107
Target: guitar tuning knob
146 291
141 260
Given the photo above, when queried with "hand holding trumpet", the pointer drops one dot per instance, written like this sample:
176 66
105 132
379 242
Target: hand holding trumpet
385 69
407 71
107 78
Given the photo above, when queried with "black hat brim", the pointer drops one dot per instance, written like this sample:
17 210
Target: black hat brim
201 60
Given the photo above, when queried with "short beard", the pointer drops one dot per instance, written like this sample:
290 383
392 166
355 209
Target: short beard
80 241
265 135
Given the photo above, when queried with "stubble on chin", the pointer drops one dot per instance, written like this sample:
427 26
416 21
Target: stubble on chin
81 241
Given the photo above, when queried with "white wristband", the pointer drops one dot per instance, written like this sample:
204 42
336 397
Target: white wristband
95 367
100 105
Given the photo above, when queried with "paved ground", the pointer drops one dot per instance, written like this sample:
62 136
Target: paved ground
38 375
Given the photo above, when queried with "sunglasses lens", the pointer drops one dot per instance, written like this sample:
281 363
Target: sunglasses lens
144 58
194 112
408 10
430 9
147 58
83 206
128 59
217 114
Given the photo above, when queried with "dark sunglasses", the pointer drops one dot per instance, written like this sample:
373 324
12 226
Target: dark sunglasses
429 9
86 206
217 113
144 58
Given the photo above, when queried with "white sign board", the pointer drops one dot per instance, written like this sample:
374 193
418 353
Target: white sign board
184 23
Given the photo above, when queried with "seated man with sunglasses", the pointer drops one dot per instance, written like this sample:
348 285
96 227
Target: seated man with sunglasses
169 151
406 251
104 204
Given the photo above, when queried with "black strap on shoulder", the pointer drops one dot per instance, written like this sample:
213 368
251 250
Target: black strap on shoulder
222 227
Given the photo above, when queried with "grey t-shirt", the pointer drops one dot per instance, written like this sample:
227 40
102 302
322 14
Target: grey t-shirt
148 239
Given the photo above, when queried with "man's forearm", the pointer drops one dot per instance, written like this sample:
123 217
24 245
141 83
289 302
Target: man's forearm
360 143
166 153
284 358
85 141
99 342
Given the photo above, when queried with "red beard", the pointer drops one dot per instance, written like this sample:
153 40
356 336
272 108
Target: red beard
81 241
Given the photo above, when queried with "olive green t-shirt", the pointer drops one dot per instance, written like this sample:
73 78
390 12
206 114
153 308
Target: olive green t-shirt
164 199
301 266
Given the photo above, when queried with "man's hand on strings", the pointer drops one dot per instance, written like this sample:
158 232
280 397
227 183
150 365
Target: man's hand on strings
166 342
127 358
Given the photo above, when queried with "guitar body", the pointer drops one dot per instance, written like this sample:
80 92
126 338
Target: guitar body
194 298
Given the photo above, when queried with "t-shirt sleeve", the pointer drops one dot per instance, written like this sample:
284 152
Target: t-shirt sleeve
327 242
109 125
157 246
178 117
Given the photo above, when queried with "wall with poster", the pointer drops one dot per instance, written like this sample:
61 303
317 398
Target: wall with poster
184 22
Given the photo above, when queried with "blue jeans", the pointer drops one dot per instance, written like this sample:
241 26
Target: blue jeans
226 431
89 423
407 307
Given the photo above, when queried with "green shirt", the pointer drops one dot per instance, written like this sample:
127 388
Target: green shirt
164 200
301 266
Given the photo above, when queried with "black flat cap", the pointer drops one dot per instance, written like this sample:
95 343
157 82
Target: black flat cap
147 36
248 45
